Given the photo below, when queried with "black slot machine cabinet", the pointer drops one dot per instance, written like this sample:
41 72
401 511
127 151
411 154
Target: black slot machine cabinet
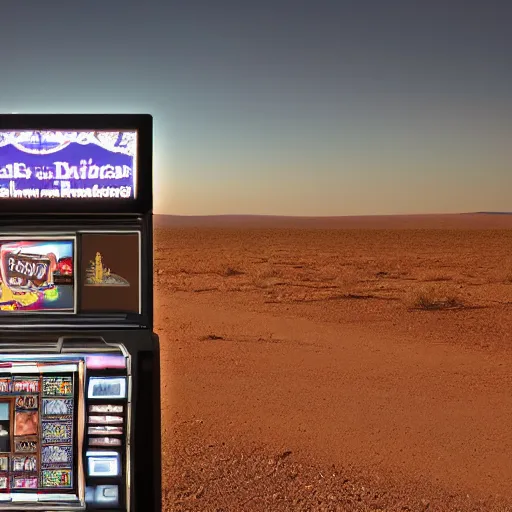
79 362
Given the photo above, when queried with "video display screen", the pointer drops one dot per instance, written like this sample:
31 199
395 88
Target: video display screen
103 463
37 275
100 165
107 387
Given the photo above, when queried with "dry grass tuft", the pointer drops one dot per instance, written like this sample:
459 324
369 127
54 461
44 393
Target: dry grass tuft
435 299
267 273
210 337
230 271
266 277
508 278
436 277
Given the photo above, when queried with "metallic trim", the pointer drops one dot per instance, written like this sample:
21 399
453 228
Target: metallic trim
81 430
71 326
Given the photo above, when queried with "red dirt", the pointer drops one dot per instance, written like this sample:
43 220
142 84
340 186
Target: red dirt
303 370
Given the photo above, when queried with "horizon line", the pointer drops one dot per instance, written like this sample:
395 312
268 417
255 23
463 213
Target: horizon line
328 216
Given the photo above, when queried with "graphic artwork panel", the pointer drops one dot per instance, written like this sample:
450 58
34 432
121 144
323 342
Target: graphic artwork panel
21 482
55 456
26 402
57 478
26 423
110 273
37 275
25 445
37 413
57 386
57 432
26 464
57 407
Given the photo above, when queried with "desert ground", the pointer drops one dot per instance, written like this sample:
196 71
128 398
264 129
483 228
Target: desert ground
336 364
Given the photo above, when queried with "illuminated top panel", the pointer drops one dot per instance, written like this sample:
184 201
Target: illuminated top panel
97 165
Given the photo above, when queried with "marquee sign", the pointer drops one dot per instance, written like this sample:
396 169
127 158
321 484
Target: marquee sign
68 164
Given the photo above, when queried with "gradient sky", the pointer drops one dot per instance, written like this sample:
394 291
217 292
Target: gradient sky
285 107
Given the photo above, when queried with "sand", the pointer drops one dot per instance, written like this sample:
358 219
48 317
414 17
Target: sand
336 365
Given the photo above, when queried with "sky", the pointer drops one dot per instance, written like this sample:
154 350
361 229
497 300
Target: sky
319 107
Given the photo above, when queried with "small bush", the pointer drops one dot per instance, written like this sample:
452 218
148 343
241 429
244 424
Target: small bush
228 272
267 273
435 277
266 277
210 337
436 299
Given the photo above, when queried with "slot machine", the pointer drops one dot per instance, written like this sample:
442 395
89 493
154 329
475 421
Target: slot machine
79 361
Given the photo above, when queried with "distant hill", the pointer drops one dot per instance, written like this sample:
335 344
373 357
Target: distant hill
477 220
494 213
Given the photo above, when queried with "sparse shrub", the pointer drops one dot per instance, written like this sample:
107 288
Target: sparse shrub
210 337
229 271
268 273
436 277
436 299
265 277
